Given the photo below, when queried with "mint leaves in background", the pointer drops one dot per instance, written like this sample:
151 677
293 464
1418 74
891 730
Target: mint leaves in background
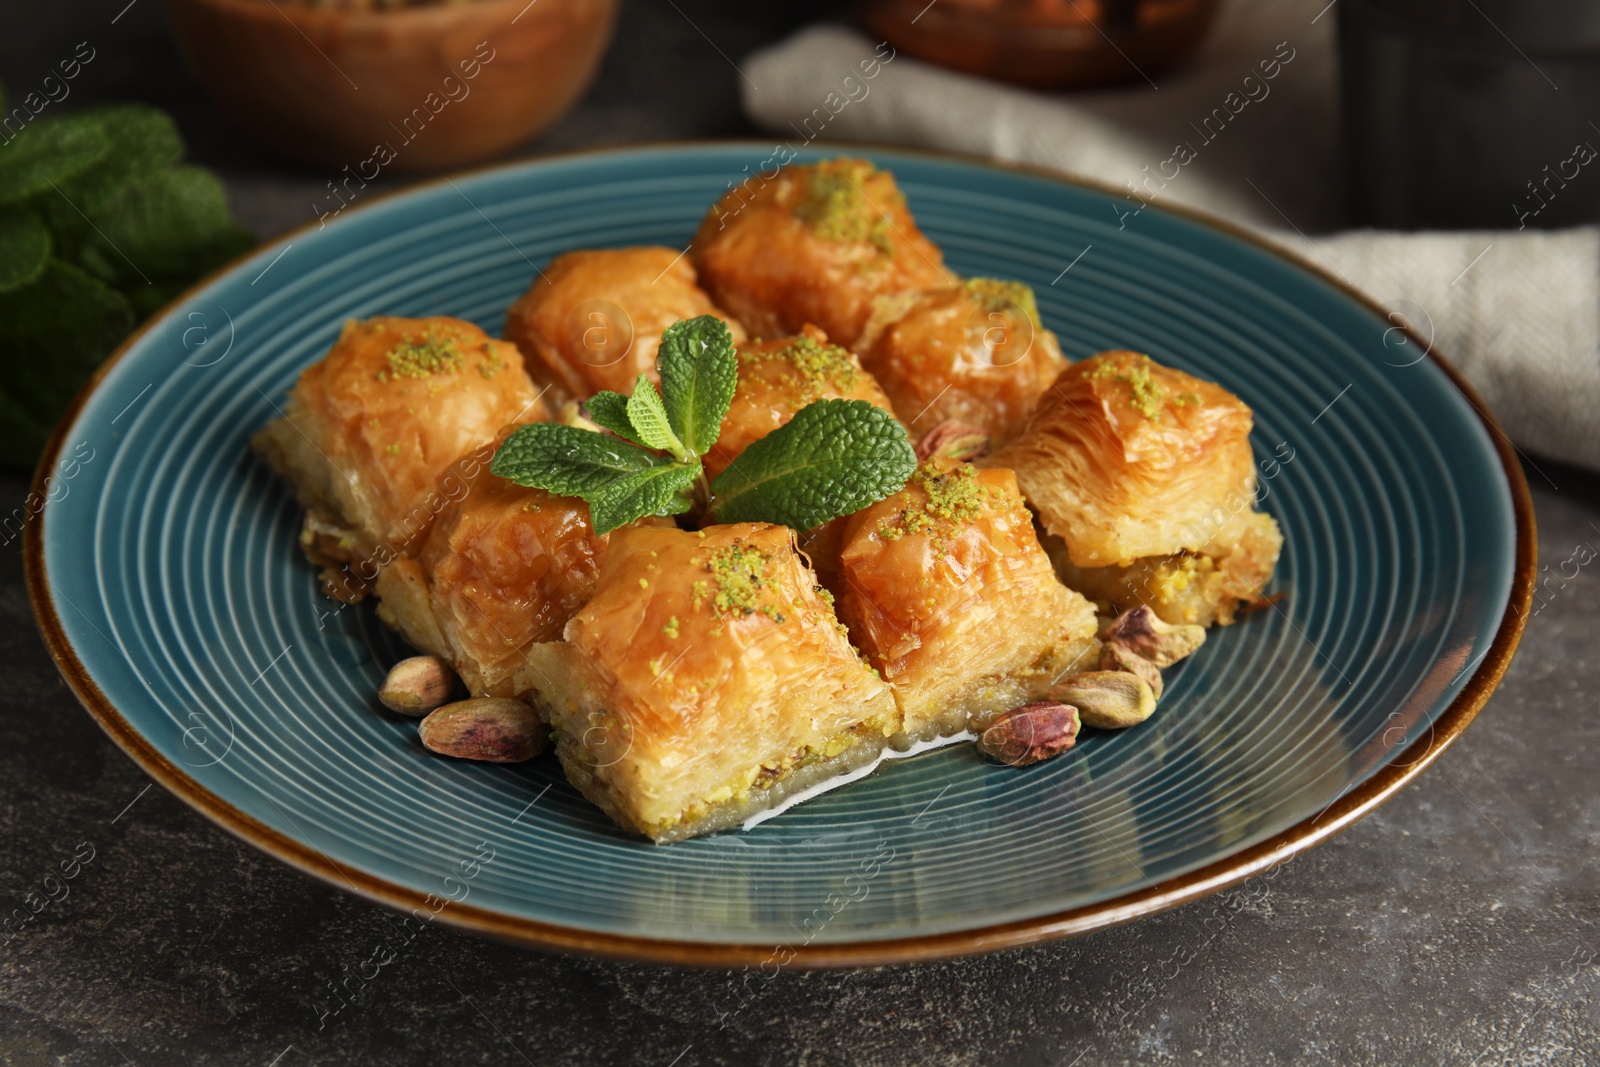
99 227
834 457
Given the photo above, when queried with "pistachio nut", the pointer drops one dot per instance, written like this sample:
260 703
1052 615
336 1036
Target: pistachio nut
953 440
417 685
495 729
1107 700
1030 733
1115 656
1143 633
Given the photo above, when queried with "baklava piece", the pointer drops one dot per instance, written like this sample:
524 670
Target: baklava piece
816 243
945 588
593 320
975 352
503 568
779 377
1143 477
369 429
706 680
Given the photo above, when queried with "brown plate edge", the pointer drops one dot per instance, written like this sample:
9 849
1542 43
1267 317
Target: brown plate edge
1228 871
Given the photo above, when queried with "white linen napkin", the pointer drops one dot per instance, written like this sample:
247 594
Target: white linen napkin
1518 312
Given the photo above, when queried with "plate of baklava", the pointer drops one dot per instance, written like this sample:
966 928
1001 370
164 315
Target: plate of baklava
735 555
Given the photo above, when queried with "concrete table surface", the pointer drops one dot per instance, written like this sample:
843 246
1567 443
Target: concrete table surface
1459 924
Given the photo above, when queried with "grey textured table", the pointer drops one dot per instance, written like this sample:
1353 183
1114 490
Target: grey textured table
1456 925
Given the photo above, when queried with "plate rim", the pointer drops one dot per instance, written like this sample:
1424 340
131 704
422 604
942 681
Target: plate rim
1229 870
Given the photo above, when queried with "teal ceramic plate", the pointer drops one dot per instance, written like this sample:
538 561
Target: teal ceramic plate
168 583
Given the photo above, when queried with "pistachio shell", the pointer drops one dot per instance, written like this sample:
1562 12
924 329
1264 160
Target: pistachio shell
1143 632
1119 657
486 728
1030 733
1107 700
417 685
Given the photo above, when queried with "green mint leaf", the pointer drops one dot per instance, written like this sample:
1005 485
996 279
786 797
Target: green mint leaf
567 460
698 374
174 224
648 416
49 152
611 411
663 490
24 248
143 139
94 178
834 457
53 332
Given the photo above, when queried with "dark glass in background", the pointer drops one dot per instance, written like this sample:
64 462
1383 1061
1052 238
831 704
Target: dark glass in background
1471 113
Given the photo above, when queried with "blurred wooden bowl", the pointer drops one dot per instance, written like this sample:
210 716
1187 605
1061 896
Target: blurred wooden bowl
438 85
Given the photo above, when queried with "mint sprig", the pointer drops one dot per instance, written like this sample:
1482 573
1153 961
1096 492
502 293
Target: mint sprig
647 414
699 373
663 490
625 477
611 411
832 458
569 461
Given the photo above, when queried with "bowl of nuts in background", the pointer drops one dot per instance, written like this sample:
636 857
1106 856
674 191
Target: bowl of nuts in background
389 84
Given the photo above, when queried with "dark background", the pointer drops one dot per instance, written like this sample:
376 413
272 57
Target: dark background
1458 924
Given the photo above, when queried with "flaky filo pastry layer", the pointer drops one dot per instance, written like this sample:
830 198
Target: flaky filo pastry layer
1144 480
369 430
948 593
814 243
976 352
593 319
504 567
706 679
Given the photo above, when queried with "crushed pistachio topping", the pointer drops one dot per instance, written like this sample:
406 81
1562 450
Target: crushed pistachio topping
999 296
740 574
817 367
950 498
491 363
434 354
1147 394
824 595
836 208
671 628
393 450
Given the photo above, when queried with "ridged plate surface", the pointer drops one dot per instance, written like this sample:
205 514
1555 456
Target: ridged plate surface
170 562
